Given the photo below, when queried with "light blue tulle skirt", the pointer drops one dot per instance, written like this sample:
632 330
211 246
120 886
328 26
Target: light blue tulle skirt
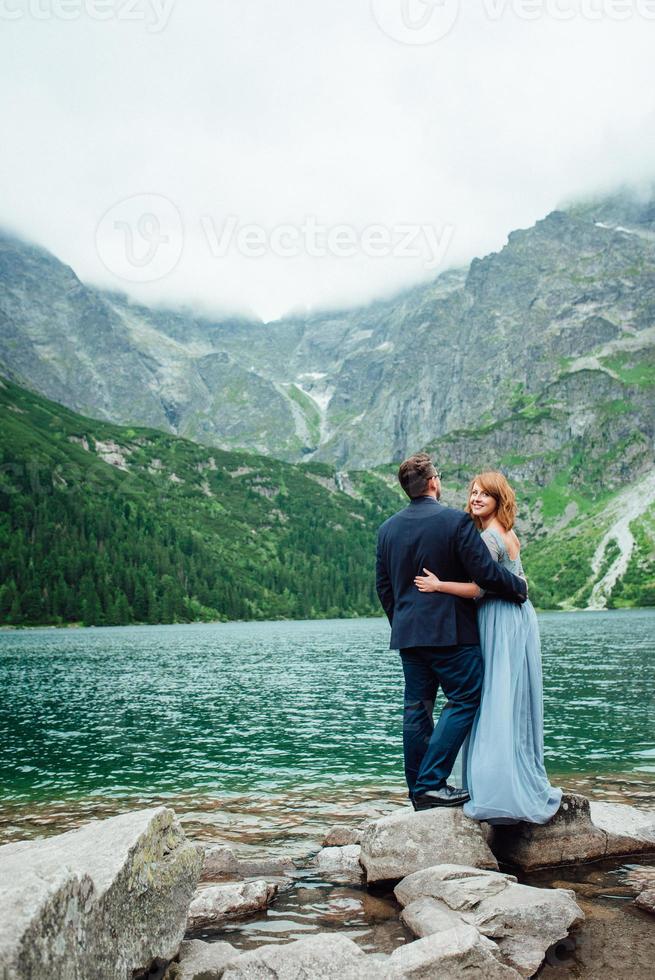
503 759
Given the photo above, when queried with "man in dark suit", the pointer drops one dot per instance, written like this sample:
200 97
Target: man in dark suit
436 633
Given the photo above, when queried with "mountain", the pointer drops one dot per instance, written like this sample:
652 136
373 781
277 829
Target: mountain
538 359
562 315
103 524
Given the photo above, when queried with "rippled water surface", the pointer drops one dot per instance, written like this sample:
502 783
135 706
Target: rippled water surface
302 711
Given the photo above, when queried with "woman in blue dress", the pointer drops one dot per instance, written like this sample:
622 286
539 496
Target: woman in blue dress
503 763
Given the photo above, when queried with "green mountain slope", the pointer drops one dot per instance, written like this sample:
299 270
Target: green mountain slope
103 524
106 525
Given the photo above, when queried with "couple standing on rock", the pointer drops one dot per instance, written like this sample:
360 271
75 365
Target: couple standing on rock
461 619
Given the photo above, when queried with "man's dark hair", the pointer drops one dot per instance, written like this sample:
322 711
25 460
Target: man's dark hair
414 474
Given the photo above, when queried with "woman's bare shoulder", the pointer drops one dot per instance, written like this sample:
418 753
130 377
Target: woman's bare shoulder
512 543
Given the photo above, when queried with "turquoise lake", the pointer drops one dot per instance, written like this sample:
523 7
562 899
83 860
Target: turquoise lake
260 710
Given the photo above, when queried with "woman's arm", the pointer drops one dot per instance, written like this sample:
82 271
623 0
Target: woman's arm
430 583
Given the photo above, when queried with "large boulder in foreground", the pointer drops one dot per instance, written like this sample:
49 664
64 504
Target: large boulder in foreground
101 901
404 842
578 832
523 922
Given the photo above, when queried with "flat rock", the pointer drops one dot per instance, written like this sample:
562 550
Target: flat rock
403 842
646 900
200 961
101 901
458 953
578 832
426 916
639 877
213 904
340 835
629 830
328 956
339 861
458 887
267 867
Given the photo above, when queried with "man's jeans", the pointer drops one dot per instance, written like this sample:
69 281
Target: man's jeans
430 751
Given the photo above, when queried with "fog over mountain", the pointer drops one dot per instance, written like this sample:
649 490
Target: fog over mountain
563 316
208 114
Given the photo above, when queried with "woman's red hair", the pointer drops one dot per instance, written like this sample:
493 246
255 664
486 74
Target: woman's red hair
495 484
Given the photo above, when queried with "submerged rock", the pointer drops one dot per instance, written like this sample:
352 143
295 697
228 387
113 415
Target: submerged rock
342 862
200 961
213 904
646 900
403 842
341 835
523 921
221 862
578 832
102 901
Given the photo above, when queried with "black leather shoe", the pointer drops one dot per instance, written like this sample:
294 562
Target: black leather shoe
444 796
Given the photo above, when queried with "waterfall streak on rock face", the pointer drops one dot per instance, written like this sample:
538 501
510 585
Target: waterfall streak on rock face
625 509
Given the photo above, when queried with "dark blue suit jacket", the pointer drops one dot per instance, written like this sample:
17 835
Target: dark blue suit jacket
426 534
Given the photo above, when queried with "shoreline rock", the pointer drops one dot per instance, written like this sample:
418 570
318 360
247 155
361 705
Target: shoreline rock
579 832
524 922
102 901
113 898
403 842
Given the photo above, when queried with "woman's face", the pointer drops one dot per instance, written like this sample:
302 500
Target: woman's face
482 503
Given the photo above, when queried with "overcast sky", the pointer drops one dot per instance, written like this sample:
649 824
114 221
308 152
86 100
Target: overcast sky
368 145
